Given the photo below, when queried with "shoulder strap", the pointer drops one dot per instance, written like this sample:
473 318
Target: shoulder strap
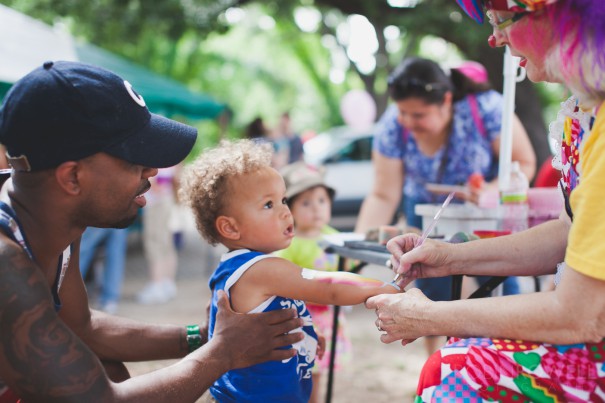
11 227
9 224
472 100
405 134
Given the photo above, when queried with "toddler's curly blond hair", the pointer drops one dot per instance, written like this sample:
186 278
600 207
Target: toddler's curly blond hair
204 183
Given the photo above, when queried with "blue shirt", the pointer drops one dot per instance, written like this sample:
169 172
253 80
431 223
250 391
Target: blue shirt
474 128
273 381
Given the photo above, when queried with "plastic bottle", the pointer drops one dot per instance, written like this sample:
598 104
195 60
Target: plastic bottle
513 201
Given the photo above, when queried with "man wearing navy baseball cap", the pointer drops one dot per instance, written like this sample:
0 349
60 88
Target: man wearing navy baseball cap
82 146
66 111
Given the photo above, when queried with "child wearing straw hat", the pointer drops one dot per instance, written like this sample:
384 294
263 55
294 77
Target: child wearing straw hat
310 201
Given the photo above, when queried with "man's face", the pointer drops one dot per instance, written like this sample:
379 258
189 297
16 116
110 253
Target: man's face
112 190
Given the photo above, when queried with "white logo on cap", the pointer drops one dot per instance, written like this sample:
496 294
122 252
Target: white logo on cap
137 98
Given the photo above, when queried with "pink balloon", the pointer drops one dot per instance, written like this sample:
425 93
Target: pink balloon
358 109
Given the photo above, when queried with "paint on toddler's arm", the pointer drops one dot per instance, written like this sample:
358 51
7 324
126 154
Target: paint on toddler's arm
340 277
308 274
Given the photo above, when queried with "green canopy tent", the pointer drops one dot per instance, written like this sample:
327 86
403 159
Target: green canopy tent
4 87
28 43
162 95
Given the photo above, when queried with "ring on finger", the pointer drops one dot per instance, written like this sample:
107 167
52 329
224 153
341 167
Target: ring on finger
379 326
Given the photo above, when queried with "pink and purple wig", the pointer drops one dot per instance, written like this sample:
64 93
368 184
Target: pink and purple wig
580 27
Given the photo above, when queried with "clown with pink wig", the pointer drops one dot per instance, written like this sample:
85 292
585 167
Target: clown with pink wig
537 347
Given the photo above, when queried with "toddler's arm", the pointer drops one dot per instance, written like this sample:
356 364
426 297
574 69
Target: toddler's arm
276 276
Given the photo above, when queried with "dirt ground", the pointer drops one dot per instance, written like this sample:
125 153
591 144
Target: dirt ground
377 372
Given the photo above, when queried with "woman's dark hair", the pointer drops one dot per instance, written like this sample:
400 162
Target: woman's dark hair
422 78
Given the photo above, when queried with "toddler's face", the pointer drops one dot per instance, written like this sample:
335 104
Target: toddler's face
259 207
311 209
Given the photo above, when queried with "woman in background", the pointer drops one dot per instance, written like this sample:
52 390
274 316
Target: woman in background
442 128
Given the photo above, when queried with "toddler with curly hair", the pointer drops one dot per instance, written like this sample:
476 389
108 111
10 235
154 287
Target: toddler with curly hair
239 201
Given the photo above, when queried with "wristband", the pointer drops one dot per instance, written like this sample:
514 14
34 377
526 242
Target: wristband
194 338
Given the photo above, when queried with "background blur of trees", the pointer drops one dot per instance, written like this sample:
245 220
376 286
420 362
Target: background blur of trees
266 57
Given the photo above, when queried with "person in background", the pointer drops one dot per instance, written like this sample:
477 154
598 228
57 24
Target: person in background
442 128
281 148
83 145
310 201
158 238
545 346
114 242
259 132
256 129
240 201
295 144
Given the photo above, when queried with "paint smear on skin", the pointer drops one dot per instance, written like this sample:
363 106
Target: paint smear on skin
308 274
344 278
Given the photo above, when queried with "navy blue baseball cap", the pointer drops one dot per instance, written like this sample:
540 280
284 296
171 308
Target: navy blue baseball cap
67 111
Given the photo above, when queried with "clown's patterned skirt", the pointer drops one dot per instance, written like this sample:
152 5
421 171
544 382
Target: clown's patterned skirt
477 370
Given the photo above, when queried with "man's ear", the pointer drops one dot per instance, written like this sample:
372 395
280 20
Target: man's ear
227 228
67 177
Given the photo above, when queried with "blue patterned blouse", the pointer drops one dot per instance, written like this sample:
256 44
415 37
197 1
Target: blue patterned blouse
476 124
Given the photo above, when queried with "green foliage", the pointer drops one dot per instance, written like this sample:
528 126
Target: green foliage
209 135
264 64
551 95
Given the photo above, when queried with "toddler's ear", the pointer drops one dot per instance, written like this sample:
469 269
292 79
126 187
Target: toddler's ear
227 228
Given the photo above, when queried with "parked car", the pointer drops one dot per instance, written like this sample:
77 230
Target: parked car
346 155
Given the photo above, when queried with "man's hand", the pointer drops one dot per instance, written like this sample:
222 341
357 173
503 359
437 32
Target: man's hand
250 339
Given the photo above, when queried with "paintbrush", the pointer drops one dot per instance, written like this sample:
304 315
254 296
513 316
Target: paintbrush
429 229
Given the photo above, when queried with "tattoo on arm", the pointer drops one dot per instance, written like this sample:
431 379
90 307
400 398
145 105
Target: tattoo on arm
39 355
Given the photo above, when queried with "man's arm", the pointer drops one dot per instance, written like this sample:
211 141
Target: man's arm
41 359
239 340
111 337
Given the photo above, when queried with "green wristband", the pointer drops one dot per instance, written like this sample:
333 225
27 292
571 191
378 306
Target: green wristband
194 338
